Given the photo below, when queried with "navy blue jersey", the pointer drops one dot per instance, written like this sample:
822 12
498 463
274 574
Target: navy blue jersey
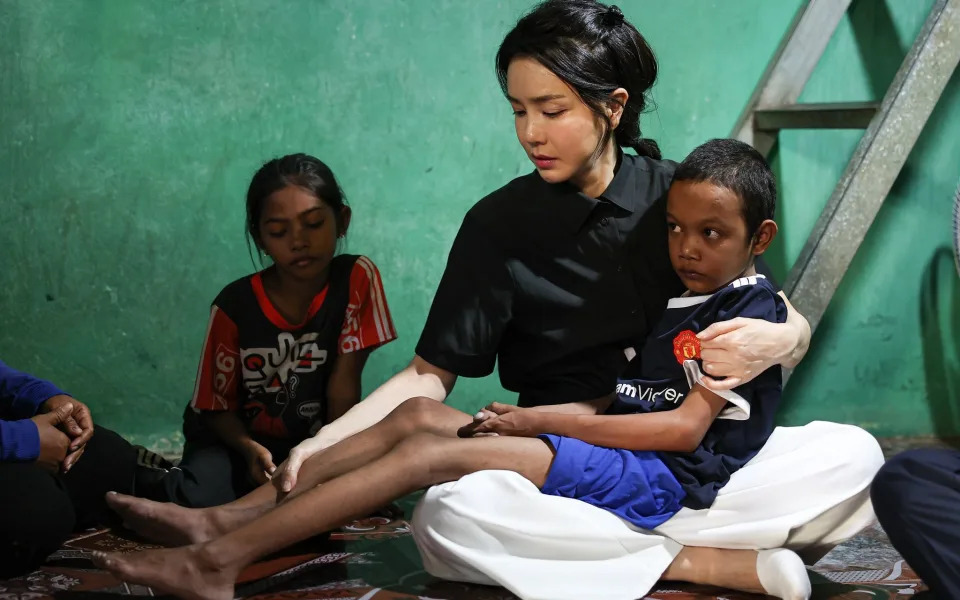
668 366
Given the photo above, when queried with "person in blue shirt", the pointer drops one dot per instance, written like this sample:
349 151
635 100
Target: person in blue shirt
55 466
665 441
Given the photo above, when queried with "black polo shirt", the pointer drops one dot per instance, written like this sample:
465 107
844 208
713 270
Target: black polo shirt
555 284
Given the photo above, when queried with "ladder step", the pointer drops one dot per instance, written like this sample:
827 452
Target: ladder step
838 115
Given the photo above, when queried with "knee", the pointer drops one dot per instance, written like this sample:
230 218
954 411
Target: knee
856 451
415 415
909 475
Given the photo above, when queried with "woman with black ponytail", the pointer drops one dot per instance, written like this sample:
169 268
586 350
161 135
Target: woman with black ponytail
577 75
553 278
553 275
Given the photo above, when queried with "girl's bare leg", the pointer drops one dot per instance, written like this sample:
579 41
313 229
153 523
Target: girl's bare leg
209 570
173 525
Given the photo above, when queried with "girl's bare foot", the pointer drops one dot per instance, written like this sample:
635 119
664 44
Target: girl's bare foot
187 572
163 522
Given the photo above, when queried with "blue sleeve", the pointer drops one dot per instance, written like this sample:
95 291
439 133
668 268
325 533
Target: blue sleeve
20 397
19 441
21 394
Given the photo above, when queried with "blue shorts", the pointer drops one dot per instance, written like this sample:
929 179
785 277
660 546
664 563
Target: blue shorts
634 485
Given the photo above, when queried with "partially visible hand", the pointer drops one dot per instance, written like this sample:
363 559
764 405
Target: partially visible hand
509 420
289 468
53 442
742 348
470 429
260 463
79 423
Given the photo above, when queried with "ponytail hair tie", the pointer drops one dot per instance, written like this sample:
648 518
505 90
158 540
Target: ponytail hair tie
613 17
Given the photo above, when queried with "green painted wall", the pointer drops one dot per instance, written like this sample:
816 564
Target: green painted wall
129 130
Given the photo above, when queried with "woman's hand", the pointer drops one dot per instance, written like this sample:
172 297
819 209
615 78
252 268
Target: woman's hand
504 419
740 349
288 469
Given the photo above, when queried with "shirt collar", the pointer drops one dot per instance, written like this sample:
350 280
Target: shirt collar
622 190
567 204
572 207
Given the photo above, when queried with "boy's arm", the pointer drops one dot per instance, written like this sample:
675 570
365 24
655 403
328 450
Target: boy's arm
586 407
678 430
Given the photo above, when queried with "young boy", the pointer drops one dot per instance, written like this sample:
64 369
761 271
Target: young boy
665 442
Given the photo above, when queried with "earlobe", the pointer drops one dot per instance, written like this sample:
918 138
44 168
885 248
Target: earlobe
618 100
345 214
765 234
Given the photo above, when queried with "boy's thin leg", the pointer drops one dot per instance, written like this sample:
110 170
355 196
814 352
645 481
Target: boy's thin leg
209 570
174 525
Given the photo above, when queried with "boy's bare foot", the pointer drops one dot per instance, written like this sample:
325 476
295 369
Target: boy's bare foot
184 572
163 522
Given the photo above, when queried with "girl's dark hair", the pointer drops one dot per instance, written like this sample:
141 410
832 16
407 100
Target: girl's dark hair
301 170
592 48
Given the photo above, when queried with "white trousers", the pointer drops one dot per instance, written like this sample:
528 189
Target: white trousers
809 487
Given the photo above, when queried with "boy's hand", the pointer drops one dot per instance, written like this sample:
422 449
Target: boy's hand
260 462
470 429
53 442
508 420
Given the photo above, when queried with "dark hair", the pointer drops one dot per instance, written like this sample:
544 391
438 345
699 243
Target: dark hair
301 170
594 50
738 167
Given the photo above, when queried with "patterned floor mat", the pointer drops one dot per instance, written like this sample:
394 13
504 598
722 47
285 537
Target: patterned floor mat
375 559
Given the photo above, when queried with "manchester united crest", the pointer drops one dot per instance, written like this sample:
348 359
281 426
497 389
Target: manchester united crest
686 346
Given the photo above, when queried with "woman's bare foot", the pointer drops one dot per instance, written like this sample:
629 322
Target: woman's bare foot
186 572
164 522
